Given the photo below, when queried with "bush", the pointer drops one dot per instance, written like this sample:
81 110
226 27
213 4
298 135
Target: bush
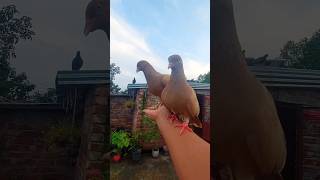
135 140
61 135
120 139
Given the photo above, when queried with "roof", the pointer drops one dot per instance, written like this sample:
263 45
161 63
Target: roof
82 77
287 77
194 85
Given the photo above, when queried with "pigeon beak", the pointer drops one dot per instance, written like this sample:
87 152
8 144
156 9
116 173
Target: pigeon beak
169 66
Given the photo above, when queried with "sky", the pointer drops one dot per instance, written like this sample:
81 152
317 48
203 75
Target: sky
151 30
264 26
59 34
154 30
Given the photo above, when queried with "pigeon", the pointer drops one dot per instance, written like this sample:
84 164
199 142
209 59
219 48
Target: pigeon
179 97
97 17
134 81
77 62
247 133
156 81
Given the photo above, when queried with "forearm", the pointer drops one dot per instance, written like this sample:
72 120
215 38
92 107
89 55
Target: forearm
190 154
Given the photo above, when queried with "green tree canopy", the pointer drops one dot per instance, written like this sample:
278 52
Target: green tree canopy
304 53
12 29
204 78
114 70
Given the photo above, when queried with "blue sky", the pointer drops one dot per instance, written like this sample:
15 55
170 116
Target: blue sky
154 30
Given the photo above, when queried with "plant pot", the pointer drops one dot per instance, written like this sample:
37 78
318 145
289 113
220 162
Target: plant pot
165 150
155 153
116 157
136 154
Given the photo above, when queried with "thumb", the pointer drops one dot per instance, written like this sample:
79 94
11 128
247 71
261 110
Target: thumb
150 113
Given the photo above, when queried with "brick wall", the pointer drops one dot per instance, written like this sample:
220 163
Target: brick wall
151 101
311 145
120 115
23 152
93 134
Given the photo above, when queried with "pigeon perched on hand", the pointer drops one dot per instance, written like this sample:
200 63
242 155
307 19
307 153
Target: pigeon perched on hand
155 80
179 97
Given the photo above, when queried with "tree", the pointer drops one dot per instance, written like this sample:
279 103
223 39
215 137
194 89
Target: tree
304 53
205 78
12 85
48 97
114 70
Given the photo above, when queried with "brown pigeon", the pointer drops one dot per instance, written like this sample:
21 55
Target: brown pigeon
247 133
179 97
97 17
156 81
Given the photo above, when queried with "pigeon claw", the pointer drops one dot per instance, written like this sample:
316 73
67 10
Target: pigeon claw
184 126
172 117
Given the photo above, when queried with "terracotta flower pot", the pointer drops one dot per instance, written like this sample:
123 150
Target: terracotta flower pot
116 158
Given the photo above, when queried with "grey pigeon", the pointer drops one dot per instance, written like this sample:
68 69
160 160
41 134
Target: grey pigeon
77 62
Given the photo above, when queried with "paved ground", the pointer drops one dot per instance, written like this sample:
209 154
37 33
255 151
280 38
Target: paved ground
148 168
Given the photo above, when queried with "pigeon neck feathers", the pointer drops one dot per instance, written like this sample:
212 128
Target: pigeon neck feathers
227 50
149 71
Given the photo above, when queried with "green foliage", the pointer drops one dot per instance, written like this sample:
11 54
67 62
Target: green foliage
13 86
114 70
205 78
304 53
120 139
135 140
60 135
48 97
152 132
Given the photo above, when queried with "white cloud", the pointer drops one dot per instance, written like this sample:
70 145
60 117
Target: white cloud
193 68
128 46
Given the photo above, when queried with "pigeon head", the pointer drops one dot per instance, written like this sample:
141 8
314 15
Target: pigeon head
175 62
141 65
96 16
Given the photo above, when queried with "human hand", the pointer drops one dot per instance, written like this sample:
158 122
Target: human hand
161 113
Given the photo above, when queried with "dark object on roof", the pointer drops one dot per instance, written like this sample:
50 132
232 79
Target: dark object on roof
134 80
77 62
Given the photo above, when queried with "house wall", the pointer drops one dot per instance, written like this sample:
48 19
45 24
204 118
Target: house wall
311 145
24 154
120 115
309 97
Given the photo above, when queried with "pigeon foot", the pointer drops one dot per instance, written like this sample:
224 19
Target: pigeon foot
184 127
172 117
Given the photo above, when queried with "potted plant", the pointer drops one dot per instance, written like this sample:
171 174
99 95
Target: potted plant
165 150
135 146
151 134
155 152
120 140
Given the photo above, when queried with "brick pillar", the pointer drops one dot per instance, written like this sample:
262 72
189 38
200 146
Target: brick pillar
93 133
151 101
